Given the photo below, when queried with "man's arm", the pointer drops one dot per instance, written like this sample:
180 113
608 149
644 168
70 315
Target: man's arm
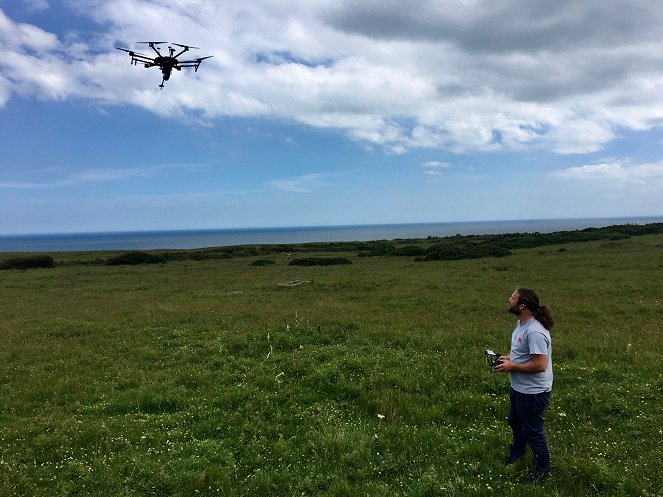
537 364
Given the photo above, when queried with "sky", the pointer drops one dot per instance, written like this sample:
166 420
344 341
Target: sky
328 112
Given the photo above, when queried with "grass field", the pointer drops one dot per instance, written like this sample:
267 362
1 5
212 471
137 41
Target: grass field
204 378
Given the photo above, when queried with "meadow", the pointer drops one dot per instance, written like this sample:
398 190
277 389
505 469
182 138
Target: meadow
212 377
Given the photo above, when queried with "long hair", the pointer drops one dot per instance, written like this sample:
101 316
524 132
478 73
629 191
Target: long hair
530 300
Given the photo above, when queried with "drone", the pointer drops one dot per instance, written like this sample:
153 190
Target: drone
165 62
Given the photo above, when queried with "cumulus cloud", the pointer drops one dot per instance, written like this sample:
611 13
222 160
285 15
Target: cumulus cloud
22 35
460 75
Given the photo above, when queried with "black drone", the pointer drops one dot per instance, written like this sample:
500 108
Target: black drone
165 62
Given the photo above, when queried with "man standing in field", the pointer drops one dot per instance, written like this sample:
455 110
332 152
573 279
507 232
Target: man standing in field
530 366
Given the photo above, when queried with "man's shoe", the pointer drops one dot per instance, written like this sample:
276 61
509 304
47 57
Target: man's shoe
508 460
539 477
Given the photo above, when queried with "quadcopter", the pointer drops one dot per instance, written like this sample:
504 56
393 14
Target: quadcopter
165 62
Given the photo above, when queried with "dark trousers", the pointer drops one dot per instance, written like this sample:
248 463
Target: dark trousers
526 422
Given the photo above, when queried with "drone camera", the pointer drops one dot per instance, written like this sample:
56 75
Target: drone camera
492 358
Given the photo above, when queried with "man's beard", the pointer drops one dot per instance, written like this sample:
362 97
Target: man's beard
515 310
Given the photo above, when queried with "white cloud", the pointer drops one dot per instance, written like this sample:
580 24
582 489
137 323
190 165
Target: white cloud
613 172
36 5
437 164
302 184
451 74
64 177
435 168
14 35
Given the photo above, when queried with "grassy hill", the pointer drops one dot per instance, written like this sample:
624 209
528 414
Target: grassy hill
201 374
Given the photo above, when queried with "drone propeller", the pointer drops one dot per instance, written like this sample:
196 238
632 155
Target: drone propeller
184 46
152 42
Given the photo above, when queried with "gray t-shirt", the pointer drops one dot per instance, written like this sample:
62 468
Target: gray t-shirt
527 339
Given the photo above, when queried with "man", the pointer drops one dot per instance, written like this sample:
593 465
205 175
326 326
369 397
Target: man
530 366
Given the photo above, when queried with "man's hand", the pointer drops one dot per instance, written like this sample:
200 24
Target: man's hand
504 366
538 364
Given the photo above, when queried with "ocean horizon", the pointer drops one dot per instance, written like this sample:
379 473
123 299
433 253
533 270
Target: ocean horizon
204 238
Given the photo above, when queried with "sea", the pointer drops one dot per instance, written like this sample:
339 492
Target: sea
192 239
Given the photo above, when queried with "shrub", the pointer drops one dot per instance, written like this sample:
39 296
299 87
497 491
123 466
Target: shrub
29 262
457 251
320 261
206 255
376 248
411 250
136 257
263 262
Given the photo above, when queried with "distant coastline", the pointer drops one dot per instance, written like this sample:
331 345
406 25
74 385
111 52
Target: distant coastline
192 239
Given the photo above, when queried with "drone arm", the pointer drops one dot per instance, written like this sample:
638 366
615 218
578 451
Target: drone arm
185 49
138 57
193 63
142 59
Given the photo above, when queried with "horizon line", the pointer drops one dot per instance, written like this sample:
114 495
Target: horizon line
313 227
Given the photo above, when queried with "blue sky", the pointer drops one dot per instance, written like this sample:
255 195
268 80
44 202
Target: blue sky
329 113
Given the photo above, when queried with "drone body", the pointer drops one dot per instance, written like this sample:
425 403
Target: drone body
164 62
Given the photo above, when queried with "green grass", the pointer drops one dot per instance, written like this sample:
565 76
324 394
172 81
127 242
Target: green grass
368 379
